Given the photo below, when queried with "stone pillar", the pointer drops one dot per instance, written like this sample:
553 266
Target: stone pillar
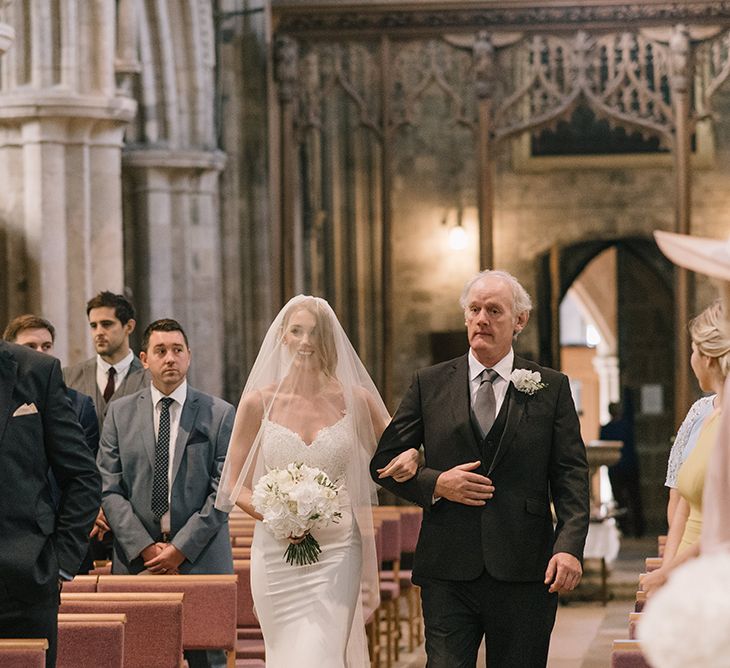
61 130
174 249
7 35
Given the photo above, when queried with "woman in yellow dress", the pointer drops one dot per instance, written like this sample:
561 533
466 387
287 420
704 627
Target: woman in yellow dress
710 362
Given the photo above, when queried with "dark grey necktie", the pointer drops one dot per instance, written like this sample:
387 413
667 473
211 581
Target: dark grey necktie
160 485
485 403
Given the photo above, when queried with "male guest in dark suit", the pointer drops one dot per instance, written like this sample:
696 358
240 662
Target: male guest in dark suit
40 544
500 444
115 372
40 335
161 455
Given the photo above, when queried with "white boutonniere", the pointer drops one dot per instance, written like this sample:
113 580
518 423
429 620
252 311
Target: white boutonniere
527 381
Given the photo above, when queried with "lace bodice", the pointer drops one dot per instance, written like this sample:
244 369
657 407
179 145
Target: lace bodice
329 451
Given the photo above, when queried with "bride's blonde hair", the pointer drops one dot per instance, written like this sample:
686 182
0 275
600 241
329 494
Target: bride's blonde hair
708 332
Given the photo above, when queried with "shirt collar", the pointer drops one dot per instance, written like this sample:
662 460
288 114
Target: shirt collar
179 395
503 367
120 367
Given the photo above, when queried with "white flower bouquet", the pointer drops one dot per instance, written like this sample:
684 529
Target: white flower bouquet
294 501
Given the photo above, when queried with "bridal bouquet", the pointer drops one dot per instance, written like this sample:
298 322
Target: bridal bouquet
294 501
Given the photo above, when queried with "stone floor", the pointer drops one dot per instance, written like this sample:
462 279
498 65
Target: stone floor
585 628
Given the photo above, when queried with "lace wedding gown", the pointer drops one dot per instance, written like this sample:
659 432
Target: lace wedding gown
307 612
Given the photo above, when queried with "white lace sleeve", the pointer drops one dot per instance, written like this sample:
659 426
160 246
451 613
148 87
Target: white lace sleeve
686 436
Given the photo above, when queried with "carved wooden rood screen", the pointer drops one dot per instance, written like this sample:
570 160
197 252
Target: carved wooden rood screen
352 80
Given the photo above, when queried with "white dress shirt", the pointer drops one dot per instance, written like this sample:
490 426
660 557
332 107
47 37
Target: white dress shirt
121 367
178 397
499 384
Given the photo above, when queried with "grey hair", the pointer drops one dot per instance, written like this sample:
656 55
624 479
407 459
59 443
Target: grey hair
521 302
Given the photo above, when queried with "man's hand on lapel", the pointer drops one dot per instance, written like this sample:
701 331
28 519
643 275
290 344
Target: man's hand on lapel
563 572
461 485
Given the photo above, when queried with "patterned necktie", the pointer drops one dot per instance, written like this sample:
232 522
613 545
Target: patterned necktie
109 389
160 485
485 403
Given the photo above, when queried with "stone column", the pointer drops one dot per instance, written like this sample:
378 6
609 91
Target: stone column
61 130
7 35
174 250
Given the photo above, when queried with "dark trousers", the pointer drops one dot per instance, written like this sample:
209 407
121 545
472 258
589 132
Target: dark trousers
201 658
516 618
39 619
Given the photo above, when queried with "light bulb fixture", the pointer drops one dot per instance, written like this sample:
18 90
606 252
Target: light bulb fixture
458 239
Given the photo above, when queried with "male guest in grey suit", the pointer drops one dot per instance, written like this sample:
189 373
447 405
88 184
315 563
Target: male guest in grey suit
115 372
161 455
40 543
501 441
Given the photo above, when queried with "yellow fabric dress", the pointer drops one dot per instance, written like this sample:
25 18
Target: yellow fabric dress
691 479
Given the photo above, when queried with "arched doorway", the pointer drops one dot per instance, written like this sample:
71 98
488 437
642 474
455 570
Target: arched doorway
645 340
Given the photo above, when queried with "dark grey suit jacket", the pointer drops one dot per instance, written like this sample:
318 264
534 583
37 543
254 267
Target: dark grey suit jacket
36 540
540 458
126 461
82 377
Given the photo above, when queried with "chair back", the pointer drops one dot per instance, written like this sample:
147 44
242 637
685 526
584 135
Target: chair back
90 640
153 632
209 605
23 652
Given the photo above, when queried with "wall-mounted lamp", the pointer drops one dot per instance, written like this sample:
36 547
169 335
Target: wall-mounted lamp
458 238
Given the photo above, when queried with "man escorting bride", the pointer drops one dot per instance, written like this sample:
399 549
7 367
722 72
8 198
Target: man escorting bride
309 401
501 441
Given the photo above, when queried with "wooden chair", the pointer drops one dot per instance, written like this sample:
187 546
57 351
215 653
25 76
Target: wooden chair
627 654
634 619
652 563
23 652
209 606
250 640
411 517
90 640
153 633
390 530
81 584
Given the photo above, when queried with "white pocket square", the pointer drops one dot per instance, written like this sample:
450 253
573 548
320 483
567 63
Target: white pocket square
25 409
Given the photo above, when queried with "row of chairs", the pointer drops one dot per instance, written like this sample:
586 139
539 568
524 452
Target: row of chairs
627 653
139 621
134 621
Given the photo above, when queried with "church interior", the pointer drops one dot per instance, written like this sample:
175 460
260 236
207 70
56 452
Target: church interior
210 159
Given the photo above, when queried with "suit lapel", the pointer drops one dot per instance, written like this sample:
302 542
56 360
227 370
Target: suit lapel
457 387
145 413
515 410
187 422
8 374
88 375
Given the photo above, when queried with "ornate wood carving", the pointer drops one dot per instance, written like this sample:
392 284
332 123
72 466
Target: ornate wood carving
330 21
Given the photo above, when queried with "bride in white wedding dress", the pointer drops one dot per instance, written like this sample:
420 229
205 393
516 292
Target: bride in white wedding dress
310 400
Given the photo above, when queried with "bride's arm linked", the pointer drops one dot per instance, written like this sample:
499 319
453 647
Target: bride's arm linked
250 415
403 466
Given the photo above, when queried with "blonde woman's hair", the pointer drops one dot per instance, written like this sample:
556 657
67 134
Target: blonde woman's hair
709 333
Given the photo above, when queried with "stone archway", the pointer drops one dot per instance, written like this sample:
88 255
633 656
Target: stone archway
646 340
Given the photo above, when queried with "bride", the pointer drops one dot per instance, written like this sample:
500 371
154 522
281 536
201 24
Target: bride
310 400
